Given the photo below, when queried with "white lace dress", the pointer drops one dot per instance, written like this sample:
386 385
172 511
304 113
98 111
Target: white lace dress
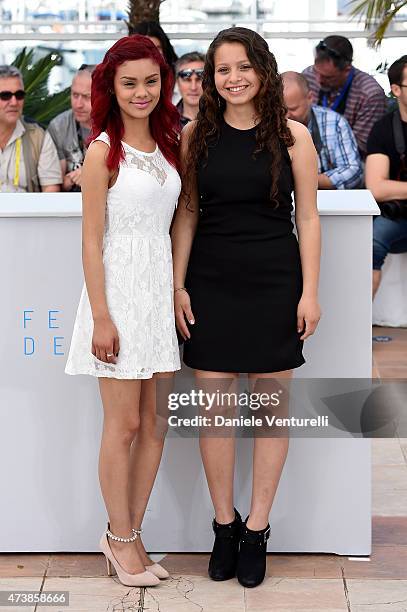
138 272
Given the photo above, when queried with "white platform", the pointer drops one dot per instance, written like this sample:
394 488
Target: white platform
390 303
51 422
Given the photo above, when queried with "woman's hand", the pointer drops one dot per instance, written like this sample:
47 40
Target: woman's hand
105 340
183 312
308 316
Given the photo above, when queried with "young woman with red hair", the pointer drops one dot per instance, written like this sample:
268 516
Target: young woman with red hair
124 332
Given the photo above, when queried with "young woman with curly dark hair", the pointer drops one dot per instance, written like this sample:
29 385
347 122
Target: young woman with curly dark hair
245 288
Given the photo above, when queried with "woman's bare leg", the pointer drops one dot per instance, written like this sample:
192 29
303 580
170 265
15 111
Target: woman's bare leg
146 451
218 454
120 400
269 454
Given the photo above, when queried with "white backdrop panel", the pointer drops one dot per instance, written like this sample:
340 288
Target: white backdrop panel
51 422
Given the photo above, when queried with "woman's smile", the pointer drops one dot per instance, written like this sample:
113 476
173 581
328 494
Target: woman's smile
141 103
236 89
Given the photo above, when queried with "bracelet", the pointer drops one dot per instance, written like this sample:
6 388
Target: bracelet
180 289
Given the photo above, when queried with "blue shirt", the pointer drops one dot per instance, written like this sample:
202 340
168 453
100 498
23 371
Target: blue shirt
339 157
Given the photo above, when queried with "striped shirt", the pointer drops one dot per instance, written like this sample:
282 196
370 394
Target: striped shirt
365 104
339 157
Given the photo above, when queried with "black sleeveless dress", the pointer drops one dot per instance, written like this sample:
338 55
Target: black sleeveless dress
244 273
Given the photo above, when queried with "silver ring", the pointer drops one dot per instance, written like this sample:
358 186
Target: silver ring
109 354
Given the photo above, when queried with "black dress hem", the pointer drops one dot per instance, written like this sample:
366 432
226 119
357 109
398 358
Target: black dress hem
240 370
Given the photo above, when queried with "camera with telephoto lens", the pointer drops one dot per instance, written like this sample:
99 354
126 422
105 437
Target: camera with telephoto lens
395 209
75 162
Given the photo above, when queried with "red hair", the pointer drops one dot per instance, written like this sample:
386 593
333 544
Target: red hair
105 114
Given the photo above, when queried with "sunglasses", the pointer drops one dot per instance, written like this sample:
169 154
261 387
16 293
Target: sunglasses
7 95
322 46
185 75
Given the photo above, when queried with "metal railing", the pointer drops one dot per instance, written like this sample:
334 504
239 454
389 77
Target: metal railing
61 30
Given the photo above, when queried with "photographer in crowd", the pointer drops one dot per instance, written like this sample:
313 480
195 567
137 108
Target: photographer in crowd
28 157
336 84
189 71
386 173
339 163
70 129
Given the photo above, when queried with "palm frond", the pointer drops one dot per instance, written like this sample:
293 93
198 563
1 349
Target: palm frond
23 59
378 14
39 104
53 106
387 19
38 74
371 10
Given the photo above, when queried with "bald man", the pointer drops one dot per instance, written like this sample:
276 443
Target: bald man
70 129
339 162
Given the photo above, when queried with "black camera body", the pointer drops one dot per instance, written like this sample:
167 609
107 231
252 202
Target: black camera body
73 163
394 209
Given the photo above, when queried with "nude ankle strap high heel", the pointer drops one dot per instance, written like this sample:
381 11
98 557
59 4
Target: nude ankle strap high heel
143 579
156 569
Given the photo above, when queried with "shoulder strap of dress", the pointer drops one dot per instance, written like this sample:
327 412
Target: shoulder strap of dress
103 136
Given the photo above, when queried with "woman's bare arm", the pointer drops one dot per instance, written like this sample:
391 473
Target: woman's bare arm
95 183
94 192
305 171
377 179
182 235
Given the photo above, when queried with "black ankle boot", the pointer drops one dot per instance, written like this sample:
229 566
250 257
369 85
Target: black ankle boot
251 566
223 561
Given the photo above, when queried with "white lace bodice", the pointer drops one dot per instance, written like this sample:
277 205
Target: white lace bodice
143 199
138 272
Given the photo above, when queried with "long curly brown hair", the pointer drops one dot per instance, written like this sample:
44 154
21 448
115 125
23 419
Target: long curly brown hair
269 103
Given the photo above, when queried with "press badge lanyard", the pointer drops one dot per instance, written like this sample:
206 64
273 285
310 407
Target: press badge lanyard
81 143
343 92
16 178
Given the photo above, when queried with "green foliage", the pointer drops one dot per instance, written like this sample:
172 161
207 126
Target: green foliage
39 104
378 14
